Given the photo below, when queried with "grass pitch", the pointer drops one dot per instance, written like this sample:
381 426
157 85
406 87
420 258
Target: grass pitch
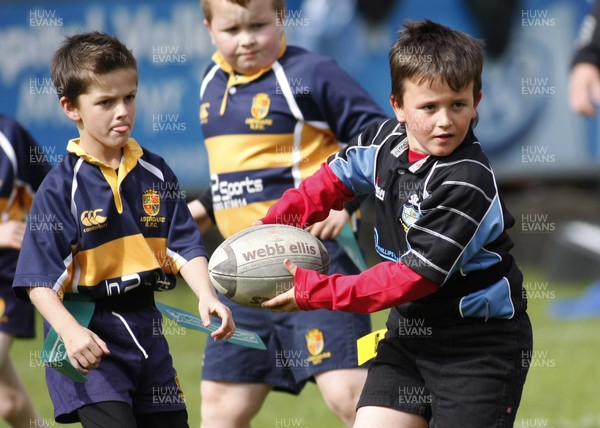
561 391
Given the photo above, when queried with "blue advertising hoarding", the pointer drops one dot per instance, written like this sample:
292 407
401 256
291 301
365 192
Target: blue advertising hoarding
171 47
525 124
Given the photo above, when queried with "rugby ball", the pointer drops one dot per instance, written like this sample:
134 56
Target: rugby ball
248 267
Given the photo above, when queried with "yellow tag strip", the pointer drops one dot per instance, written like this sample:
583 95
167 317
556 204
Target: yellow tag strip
367 345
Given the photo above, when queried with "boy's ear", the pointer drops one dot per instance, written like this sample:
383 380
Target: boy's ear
477 99
69 108
398 110
476 103
209 28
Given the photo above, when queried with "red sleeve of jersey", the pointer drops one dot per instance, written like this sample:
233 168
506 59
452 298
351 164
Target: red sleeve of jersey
311 201
383 286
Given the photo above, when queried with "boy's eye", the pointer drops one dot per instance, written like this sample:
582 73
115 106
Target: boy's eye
130 97
258 25
459 105
428 107
104 102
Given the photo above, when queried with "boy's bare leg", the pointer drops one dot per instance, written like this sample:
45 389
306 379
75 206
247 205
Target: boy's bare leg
229 404
16 407
341 390
371 416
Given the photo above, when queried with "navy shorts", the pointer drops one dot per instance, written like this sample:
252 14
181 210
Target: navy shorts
299 345
17 317
139 370
457 374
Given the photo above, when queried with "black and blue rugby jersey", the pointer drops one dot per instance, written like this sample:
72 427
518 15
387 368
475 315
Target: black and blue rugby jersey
441 216
23 166
266 132
101 232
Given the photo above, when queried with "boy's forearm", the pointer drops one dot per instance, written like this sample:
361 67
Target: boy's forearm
385 285
200 215
311 201
52 309
195 273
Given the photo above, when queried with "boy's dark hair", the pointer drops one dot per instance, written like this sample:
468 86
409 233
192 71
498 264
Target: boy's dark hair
83 57
426 51
278 6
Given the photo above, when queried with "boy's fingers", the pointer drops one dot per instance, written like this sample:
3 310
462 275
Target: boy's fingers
227 327
205 317
275 302
290 266
101 345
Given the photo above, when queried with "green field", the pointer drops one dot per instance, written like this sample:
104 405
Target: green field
562 390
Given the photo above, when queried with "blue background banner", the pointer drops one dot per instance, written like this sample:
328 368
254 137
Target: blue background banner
525 123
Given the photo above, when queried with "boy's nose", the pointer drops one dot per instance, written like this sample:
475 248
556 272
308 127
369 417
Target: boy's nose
248 39
444 118
121 110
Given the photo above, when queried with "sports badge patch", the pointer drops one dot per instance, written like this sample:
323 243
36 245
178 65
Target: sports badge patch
410 212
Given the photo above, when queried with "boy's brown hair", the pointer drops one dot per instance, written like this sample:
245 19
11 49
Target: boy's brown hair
426 51
278 6
83 57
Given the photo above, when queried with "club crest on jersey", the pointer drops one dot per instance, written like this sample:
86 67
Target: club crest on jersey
315 344
259 111
151 202
151 205
410 212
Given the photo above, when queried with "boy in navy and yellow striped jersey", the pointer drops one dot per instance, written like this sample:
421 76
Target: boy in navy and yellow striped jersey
270 115
22 168
456 353
102 229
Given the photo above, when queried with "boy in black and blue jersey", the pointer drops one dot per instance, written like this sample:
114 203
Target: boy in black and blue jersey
102 229
457 348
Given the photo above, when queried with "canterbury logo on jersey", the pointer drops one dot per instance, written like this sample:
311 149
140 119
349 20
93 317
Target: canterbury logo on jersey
93 220
259 111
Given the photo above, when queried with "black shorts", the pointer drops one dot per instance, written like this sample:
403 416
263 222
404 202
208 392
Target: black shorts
463 373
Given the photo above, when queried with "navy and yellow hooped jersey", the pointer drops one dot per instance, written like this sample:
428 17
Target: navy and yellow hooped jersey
101 232
21 173
266 132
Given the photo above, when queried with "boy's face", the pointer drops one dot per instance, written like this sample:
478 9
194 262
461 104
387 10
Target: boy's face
105 114
248 38
437 118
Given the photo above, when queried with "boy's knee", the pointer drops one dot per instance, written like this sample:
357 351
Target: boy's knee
12 404
224 406
341 390
343 404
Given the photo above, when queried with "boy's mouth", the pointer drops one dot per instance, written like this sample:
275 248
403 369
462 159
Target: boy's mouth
248 55
121 128
443 137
